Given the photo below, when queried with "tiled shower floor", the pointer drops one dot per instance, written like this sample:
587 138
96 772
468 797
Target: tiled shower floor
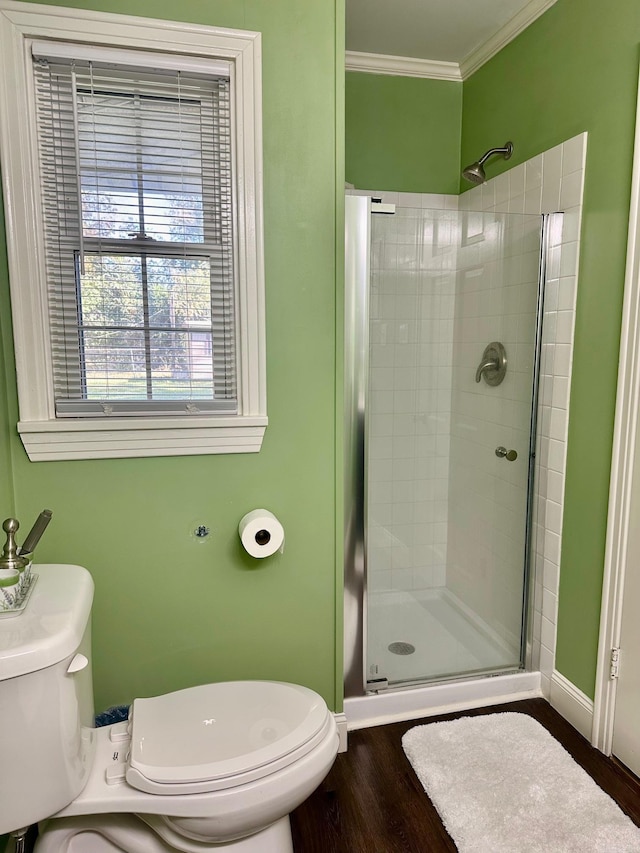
446 641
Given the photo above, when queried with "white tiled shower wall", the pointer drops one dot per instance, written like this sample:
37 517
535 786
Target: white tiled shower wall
550 182
413 258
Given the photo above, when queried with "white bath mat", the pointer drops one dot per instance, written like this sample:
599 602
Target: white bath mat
502 784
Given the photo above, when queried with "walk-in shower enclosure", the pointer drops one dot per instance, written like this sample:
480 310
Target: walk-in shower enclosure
443 313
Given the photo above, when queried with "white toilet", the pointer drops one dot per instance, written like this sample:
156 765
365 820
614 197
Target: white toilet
215 767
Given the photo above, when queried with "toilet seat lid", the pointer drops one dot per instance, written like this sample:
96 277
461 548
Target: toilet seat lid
220 730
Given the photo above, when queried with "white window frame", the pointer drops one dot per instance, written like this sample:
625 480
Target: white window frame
44 436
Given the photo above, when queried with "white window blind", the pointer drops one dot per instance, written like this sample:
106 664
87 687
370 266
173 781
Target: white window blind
136 172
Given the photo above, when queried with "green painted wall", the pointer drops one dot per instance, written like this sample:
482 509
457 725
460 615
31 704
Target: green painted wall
402 133
576 69
129 521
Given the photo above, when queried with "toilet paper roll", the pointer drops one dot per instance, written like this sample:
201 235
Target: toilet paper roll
261 533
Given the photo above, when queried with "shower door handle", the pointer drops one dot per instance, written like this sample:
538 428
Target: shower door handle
510 455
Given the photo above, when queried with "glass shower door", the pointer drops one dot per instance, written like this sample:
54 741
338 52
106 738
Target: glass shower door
447 449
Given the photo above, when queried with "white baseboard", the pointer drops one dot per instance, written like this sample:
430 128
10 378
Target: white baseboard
572 704
341 722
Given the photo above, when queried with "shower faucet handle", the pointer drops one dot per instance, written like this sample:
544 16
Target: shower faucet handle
493 364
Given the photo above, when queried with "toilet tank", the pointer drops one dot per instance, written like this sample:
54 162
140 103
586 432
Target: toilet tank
46 697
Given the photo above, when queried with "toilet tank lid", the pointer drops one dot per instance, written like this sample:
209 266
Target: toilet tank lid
51 626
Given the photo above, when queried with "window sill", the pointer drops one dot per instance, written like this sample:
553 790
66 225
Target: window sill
122 438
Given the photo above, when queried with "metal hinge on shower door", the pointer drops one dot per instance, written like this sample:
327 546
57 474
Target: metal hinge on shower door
378 206
614 663
376 685
375 681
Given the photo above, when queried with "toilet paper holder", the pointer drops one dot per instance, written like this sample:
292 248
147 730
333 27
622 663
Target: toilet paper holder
263 537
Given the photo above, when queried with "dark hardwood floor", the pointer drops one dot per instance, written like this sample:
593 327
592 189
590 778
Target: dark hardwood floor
372 802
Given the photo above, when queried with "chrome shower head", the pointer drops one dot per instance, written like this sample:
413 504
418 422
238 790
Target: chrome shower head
475 172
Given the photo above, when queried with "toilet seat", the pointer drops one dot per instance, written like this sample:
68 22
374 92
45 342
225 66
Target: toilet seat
217 736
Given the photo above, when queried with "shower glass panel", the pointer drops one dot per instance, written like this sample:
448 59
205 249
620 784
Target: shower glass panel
447 453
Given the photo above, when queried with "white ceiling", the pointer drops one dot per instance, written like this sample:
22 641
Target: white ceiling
442 30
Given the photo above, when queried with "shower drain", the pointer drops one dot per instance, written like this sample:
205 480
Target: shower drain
401 648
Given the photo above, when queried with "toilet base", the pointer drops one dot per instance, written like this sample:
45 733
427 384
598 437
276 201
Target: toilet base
123 833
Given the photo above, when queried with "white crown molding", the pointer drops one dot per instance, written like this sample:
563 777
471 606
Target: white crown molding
505 34
409 66
401 66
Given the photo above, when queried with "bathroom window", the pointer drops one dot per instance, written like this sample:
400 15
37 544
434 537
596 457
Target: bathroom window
139 326
136 185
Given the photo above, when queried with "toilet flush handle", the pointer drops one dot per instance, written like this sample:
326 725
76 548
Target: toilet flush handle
78 663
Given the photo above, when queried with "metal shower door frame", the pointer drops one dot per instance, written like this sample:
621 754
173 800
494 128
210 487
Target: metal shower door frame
357 283
356 359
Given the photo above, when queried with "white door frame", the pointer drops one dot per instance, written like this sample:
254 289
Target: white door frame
625 440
